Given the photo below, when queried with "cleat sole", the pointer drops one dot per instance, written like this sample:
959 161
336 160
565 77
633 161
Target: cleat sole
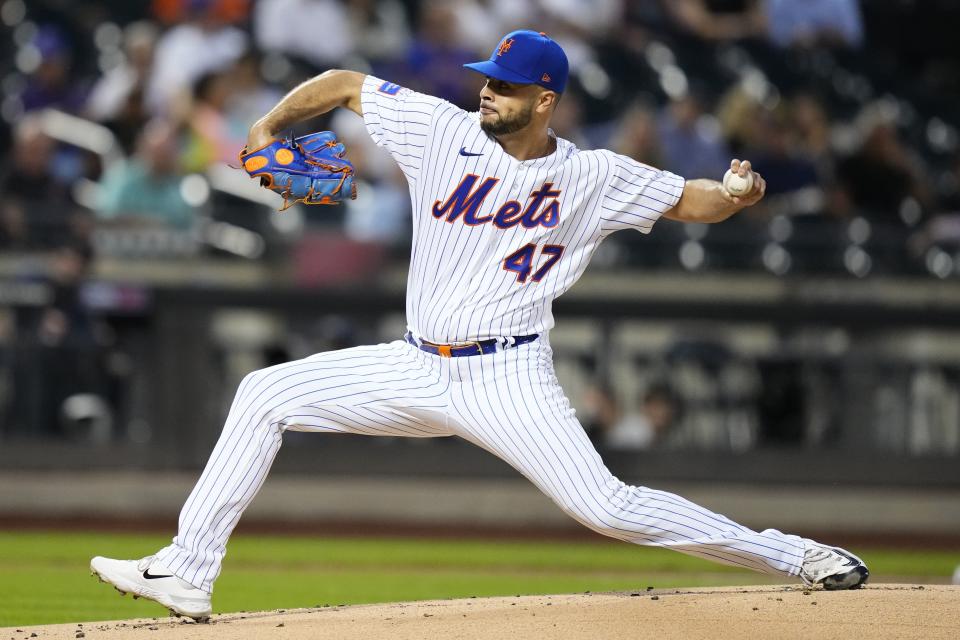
852 580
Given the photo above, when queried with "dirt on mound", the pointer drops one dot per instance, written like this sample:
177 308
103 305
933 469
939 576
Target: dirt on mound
877 612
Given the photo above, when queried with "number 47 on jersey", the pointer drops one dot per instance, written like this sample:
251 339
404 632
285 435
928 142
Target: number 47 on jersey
523 260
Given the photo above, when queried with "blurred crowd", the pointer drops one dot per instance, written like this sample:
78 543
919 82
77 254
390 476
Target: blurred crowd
119 120
812 92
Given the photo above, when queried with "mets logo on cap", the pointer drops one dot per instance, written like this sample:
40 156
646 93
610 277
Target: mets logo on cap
526 57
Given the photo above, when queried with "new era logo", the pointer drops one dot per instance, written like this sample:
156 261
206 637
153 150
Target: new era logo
545 77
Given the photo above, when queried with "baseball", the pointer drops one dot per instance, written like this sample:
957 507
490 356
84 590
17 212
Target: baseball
735 185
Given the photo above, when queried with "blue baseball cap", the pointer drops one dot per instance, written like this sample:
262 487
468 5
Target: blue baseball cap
526 57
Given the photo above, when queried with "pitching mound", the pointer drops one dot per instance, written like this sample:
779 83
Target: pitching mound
876 612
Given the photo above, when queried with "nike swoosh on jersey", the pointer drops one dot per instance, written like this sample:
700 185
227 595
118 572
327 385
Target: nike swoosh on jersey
150 576
464 152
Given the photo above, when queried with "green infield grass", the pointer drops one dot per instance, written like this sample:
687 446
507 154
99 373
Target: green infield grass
44 577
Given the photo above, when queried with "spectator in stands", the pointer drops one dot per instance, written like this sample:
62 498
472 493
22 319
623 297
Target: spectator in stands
648 428
56 348
773 150
319 34
598 411
690 139
788 143
118 98
66 318
144 192
589 18
608 424
478 22
51 84
883 172
250 97
785 23
380 29
942 230
736 111
636 135
13 225
567 119
38 209
435 59
579 26
209 136
811 126
814 23
737 21
203 44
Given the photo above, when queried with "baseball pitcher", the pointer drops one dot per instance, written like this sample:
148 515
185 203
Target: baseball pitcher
506 216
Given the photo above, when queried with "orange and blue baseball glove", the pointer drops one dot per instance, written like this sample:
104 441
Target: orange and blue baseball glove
310 169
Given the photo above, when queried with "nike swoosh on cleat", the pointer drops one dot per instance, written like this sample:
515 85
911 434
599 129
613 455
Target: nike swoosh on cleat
464 152
150 576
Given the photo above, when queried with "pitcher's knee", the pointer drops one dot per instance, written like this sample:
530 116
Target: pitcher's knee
254 382
603 511
256 402
599 516
608 524
268 385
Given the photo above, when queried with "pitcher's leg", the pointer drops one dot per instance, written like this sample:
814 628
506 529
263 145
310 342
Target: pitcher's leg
533 428
347 391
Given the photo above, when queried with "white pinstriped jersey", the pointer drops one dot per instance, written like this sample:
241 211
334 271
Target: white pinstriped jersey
496 240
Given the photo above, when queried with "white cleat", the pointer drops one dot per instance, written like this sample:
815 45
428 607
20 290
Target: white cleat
832 567
148 578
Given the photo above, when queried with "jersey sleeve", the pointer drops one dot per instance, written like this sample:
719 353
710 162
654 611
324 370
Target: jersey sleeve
637 195
399 120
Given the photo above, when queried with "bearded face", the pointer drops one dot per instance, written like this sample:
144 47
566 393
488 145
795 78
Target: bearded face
498 124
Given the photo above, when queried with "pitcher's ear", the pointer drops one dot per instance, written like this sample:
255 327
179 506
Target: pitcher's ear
548 99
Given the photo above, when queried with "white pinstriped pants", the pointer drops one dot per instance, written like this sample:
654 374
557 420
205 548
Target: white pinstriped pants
508 402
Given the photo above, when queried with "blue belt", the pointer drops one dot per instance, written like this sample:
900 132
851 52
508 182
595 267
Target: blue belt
478 348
